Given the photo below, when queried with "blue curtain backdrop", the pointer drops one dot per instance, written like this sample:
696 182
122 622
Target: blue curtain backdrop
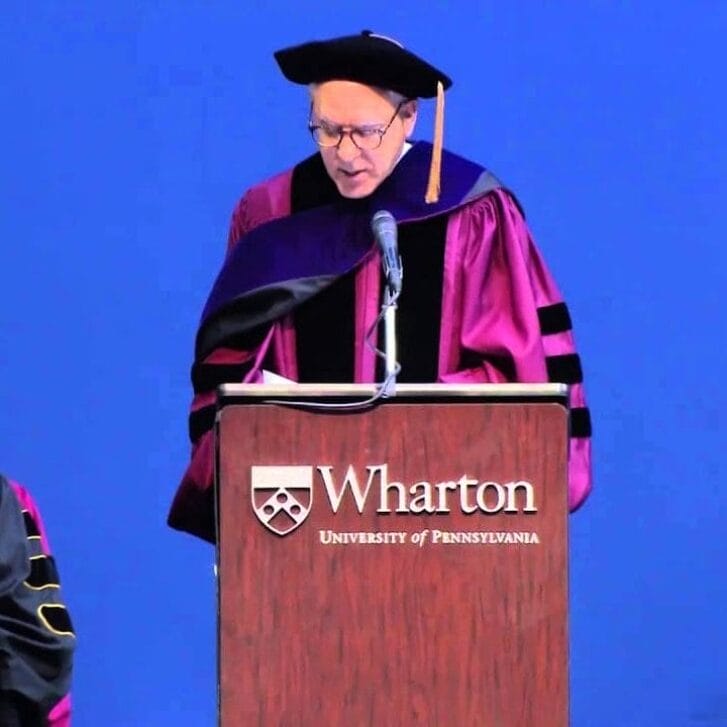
130 129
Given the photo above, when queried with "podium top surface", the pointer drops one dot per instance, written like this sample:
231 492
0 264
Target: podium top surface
237 393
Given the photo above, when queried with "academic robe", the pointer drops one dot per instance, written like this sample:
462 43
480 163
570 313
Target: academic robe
301 285
37 641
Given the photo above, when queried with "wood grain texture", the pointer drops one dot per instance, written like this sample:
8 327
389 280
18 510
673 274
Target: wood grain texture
395 634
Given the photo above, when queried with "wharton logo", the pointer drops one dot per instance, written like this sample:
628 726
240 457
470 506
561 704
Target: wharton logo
282 496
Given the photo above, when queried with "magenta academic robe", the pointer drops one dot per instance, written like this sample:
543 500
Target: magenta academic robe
499 302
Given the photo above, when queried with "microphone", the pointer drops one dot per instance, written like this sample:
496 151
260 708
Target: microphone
383 225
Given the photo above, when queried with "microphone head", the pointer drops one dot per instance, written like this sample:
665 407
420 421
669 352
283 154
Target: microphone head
383 221
383 225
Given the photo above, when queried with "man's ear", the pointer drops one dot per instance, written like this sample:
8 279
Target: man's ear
409 109
409 116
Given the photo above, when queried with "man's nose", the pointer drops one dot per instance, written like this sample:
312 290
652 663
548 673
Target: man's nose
347 151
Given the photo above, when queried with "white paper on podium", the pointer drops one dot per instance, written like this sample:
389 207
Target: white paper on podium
270 378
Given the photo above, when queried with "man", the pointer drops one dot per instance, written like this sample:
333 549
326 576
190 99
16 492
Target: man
301 284
36 637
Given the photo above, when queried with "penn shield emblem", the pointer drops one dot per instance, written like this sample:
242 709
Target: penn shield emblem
281 496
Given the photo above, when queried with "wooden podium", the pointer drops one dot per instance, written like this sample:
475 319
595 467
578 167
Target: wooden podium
400 565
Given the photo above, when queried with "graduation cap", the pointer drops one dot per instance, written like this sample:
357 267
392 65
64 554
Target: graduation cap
373 60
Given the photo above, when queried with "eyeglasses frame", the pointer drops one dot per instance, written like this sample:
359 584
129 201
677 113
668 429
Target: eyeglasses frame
342 132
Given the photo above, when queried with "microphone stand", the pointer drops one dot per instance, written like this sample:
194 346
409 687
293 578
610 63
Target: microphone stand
389 387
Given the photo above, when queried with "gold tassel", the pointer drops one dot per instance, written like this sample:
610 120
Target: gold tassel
435 169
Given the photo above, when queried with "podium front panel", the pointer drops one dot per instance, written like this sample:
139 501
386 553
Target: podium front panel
405 565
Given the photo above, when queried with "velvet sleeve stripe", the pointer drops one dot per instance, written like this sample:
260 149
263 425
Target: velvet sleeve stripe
31 528
580 422
43 573
564 369
201 421
55 617
208 376
554 319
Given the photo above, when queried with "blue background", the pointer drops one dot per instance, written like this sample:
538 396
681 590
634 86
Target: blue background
129 131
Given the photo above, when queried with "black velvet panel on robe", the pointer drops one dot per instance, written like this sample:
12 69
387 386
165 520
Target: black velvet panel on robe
325 323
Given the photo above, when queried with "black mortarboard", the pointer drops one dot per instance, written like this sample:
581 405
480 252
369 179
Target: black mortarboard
371 59
378 61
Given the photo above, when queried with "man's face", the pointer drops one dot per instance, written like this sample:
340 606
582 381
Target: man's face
348 105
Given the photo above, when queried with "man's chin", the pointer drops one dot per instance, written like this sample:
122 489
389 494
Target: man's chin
353 188
350 191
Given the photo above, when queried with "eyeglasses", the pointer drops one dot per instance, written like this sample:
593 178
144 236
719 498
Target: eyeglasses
365 138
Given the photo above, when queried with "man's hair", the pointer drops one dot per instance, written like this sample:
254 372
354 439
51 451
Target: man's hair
393 96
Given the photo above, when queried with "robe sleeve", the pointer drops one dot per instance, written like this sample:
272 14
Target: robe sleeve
239 362
37 641
506 320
